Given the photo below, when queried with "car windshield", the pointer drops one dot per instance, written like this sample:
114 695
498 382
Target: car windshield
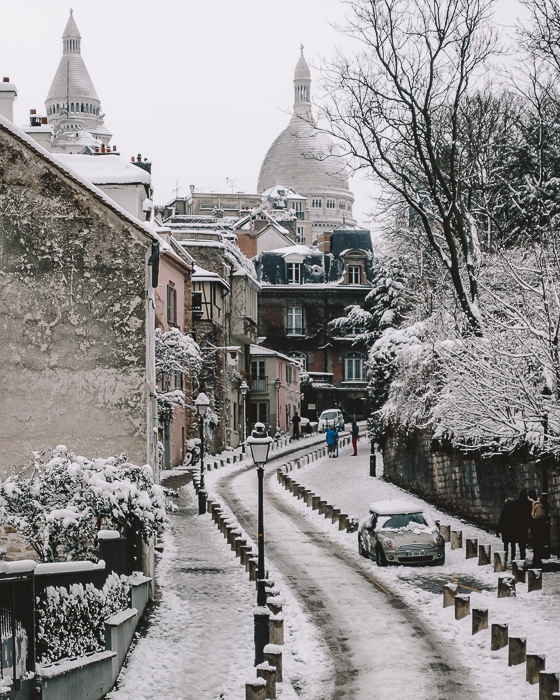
329 415
396 522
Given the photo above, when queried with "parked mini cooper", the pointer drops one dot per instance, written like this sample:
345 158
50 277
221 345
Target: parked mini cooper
333 418
398 532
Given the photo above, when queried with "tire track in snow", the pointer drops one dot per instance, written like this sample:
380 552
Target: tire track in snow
379 648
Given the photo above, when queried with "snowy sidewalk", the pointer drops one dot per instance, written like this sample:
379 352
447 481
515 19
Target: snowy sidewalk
199 638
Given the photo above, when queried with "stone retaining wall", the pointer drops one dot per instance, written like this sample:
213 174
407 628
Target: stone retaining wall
468 484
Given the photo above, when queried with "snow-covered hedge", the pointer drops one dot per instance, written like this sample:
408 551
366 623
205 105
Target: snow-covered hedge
71 622
66 499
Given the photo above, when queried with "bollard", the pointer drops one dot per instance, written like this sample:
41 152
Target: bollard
300 492
449 593
280 475
471 549
548 685
500 637
518 570
308 498
328 511
239 543
456 539
209 505
253 565
534 580
517 651
321 507
342 521
255 690
245 552
276 629
273 654
506 587
484 554
274 605
315 502
372 464
500 562
462 606
445 532
268 672
479 620
335 514
535 664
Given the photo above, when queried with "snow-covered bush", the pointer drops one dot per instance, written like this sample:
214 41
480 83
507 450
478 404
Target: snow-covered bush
71 621
59 508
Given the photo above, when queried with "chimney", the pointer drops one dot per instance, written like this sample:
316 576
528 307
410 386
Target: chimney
8 94
324 242
44 120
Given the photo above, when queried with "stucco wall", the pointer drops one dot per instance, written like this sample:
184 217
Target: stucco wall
72 316
468 484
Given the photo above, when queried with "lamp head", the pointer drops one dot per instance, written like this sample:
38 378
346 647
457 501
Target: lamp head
244 388
202 403
259 442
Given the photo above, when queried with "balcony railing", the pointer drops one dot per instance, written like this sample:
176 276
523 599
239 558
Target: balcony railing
259 385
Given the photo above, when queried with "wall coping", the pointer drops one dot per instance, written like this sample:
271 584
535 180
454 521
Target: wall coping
60 668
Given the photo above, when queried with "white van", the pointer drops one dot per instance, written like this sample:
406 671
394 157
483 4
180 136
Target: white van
331 417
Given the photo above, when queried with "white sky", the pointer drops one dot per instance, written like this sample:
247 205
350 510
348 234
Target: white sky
200 88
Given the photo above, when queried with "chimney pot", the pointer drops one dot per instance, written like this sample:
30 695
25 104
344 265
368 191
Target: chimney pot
6 80
114 148
32 111
44 120
132 159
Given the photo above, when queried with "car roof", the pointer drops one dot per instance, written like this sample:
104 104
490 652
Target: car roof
394 507
331 410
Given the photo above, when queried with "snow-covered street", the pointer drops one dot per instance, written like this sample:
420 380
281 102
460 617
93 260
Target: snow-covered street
353 630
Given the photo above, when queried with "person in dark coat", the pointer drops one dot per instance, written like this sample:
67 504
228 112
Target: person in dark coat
538 526
355 434
524 511
296 420
507 526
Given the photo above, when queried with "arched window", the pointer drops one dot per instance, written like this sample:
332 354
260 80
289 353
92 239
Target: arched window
82 109
354 364
301 357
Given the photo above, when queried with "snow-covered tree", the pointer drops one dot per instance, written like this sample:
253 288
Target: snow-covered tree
177 355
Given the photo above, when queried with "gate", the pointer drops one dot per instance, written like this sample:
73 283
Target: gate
17 631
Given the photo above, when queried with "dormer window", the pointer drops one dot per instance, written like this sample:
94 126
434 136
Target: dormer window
293 270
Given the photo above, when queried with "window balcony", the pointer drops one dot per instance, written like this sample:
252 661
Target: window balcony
259 385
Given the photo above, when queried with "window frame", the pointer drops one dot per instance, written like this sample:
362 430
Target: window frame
293 313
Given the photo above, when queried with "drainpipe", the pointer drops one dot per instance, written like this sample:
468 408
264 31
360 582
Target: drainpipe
152 272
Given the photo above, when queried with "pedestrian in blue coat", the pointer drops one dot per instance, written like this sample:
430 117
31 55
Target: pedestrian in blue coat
332 439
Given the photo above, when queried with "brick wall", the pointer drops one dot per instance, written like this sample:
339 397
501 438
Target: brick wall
468 484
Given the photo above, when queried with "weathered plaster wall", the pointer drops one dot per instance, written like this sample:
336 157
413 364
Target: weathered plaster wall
72 316
468 484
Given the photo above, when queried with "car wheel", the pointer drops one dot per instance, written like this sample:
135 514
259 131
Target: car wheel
362 551
380 557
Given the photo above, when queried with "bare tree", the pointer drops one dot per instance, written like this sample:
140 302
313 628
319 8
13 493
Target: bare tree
396 109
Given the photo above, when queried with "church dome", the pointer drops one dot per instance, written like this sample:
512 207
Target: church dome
305 159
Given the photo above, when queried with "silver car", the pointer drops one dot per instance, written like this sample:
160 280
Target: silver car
398 532
332 418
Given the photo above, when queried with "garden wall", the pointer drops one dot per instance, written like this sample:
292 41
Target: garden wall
468 484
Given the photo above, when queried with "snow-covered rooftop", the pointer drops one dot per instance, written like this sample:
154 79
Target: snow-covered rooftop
106 169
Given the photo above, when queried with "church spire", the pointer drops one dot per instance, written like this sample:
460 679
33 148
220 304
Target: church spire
302 88
71 38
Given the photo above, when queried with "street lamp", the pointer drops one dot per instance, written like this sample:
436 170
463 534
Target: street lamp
277 383
244 388
202 403
260 442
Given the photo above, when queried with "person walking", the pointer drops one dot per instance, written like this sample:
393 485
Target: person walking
523 522
331 441
355 434
537 526
507 526
296 420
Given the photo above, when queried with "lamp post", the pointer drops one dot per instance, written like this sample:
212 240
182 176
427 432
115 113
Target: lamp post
244 388
277 383
260 442
202 403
